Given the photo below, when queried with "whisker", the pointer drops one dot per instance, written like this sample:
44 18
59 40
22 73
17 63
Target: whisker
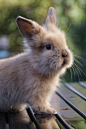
78 62
70 36
73 70
77 72
71 75
80 69
79 57
68 29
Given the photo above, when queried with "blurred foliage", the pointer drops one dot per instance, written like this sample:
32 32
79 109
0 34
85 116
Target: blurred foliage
71 19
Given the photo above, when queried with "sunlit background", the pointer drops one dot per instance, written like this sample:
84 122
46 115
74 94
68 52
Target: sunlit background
71 17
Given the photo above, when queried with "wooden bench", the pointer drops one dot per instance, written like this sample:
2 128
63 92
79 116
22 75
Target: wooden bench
70 103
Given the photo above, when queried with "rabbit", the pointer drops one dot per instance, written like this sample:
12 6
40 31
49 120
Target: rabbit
31 77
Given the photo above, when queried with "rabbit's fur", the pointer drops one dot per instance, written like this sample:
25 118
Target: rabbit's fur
31 77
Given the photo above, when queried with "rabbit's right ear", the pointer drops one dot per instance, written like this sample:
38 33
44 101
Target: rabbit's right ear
27 27
51 18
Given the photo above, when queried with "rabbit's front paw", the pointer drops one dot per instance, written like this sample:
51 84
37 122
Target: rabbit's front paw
47 110
51 110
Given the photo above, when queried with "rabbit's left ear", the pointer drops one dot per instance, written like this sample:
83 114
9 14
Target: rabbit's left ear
27 27
51 17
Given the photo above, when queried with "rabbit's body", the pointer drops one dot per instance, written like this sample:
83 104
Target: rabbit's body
31 77
20 84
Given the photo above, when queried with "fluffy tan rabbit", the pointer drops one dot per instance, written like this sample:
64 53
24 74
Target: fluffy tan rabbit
31 77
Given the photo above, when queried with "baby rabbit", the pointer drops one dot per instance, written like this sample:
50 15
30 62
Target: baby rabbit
31 77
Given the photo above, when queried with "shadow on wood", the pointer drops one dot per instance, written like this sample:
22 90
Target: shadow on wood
2 121
20 120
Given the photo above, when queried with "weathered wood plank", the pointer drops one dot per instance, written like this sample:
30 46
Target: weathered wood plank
66 111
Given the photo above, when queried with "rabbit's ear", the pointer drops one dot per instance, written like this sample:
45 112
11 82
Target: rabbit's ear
51 17
27 27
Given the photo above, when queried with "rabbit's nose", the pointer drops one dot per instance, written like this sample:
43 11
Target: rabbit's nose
64 53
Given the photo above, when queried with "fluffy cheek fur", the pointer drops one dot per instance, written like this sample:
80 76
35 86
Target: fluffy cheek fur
51 63
67 65
47 67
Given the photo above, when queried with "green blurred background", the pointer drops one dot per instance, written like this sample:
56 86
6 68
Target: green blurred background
71 16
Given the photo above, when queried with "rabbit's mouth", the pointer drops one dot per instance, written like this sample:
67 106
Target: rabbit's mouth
67 59
65 62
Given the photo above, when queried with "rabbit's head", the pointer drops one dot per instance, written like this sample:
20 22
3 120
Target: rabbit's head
49 52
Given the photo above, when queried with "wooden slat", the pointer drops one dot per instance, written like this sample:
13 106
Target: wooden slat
75 91
82 84
65 110
71 105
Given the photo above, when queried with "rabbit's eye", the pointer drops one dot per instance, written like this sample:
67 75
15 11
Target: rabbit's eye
48 47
